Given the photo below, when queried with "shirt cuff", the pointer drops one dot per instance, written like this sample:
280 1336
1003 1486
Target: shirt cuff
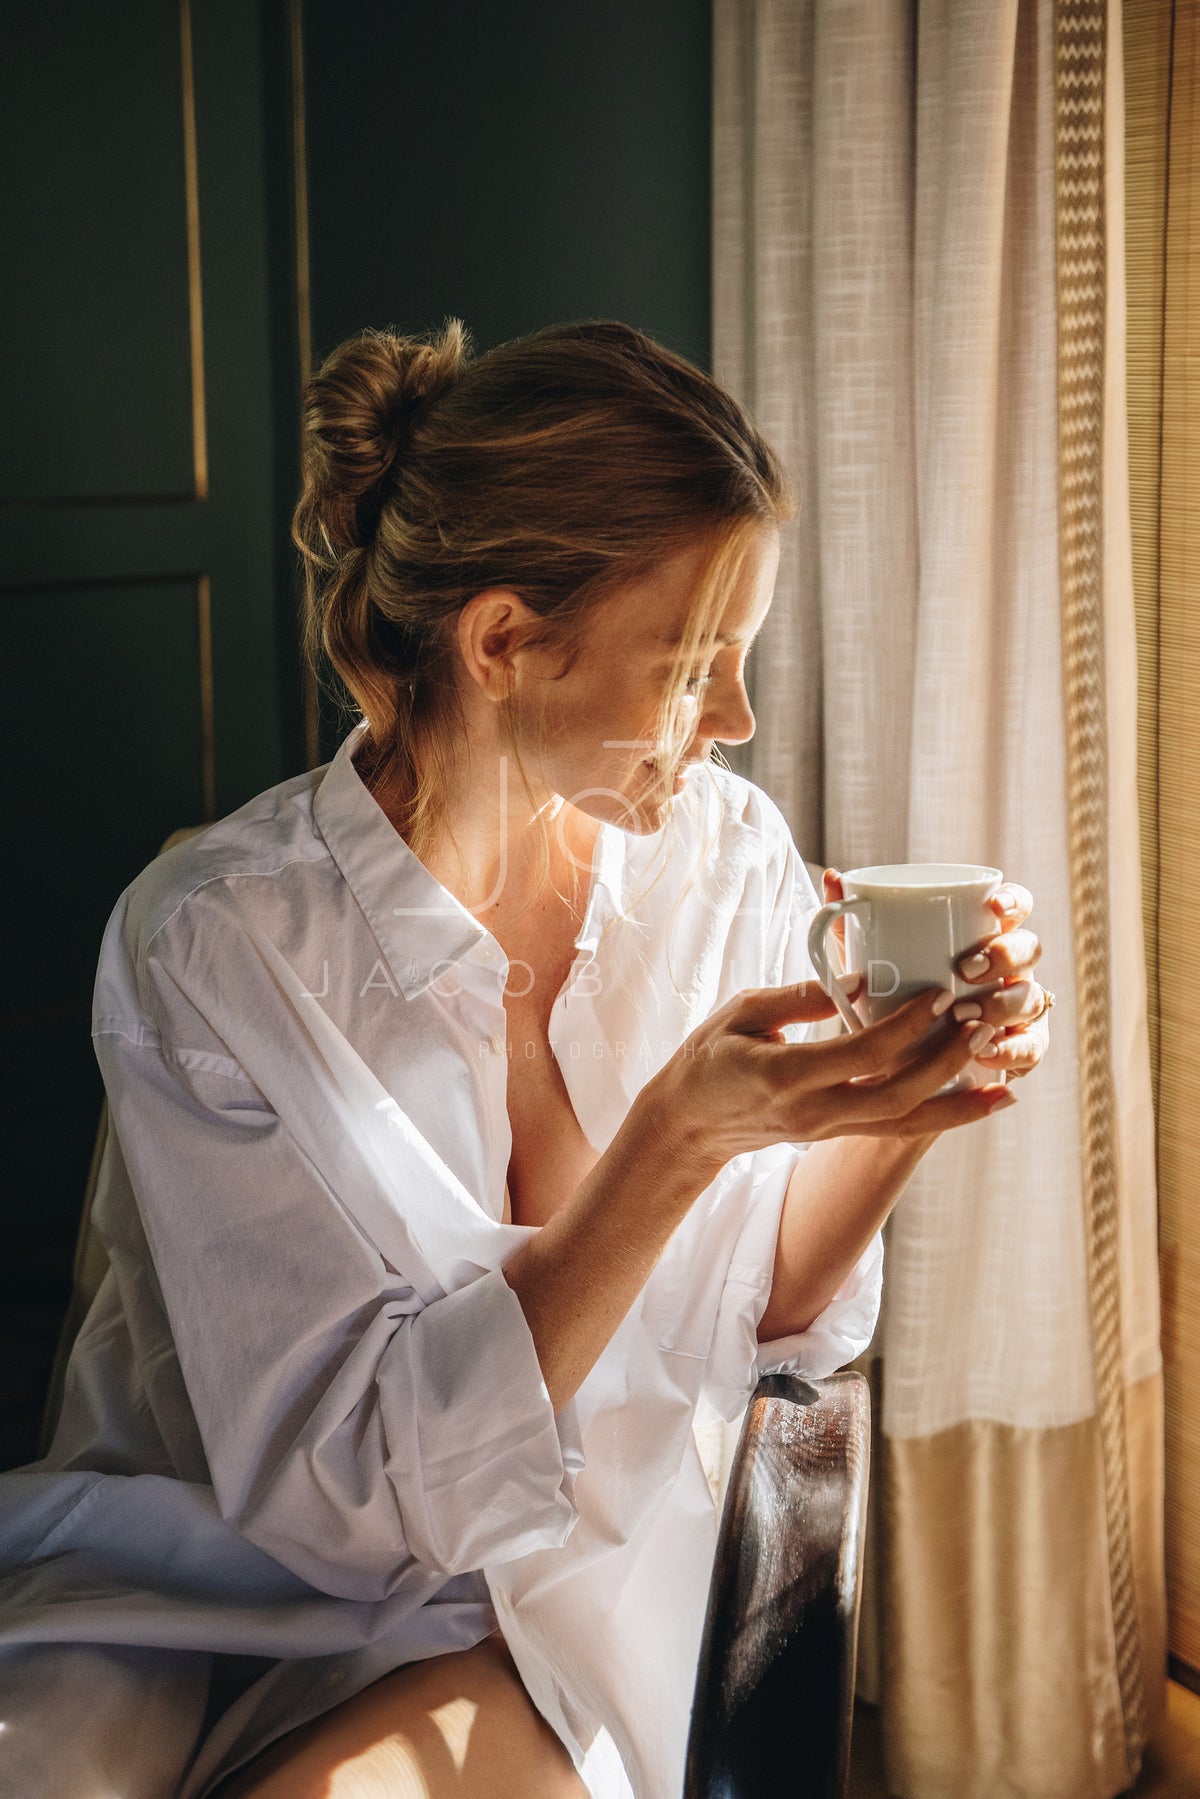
495 1467
836 1335
839 1333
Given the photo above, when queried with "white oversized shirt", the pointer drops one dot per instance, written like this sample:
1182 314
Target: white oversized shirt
305 1437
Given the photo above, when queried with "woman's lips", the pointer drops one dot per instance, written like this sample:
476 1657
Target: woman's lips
676 773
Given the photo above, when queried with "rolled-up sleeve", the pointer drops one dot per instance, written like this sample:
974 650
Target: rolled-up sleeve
836 1335
350 1428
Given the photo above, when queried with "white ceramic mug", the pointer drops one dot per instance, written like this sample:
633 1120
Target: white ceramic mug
907 923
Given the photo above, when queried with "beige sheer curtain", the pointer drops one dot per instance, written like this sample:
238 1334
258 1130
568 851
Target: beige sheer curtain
918 280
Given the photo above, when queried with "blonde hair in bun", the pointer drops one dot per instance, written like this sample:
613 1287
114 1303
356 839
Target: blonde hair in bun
358 411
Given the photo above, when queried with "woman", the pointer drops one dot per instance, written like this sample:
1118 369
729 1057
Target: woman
466 1150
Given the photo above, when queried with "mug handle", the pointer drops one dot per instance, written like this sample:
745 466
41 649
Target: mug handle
818 955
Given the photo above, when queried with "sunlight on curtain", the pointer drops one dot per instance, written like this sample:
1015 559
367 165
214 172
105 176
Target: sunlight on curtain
1162 167
918 289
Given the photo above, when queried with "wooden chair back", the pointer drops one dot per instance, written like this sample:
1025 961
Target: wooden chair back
774 1697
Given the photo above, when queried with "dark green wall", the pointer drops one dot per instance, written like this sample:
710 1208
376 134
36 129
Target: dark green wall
512 164
515 165
147 654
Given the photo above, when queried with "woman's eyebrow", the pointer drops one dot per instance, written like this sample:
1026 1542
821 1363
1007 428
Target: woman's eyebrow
722 639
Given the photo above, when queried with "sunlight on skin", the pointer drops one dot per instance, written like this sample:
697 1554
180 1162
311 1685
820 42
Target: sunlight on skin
387 1770
454 1721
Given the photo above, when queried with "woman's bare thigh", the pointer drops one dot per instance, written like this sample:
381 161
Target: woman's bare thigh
458 1726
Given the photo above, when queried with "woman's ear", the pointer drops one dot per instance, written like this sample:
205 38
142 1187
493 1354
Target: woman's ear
489 628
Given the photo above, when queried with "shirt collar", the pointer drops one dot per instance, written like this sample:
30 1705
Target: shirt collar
421 927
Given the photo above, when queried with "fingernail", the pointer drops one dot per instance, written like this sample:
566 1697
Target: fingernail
942 1003
967 1008
975 964
979 1037
1004 1097
989 1050
848 982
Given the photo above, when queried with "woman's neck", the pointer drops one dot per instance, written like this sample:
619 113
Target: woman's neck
497 878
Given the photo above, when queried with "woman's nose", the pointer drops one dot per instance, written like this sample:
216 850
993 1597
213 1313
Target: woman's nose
727 714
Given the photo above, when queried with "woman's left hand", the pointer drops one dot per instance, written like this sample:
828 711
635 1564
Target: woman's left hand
1017 1009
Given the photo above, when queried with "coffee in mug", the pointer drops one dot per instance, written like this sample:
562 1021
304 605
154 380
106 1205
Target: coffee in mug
907 923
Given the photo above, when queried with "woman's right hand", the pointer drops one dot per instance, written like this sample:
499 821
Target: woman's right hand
736 1084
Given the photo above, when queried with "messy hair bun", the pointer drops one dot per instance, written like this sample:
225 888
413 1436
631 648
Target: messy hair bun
561 465
359 411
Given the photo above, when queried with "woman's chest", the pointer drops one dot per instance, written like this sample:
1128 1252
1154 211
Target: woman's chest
550 1155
